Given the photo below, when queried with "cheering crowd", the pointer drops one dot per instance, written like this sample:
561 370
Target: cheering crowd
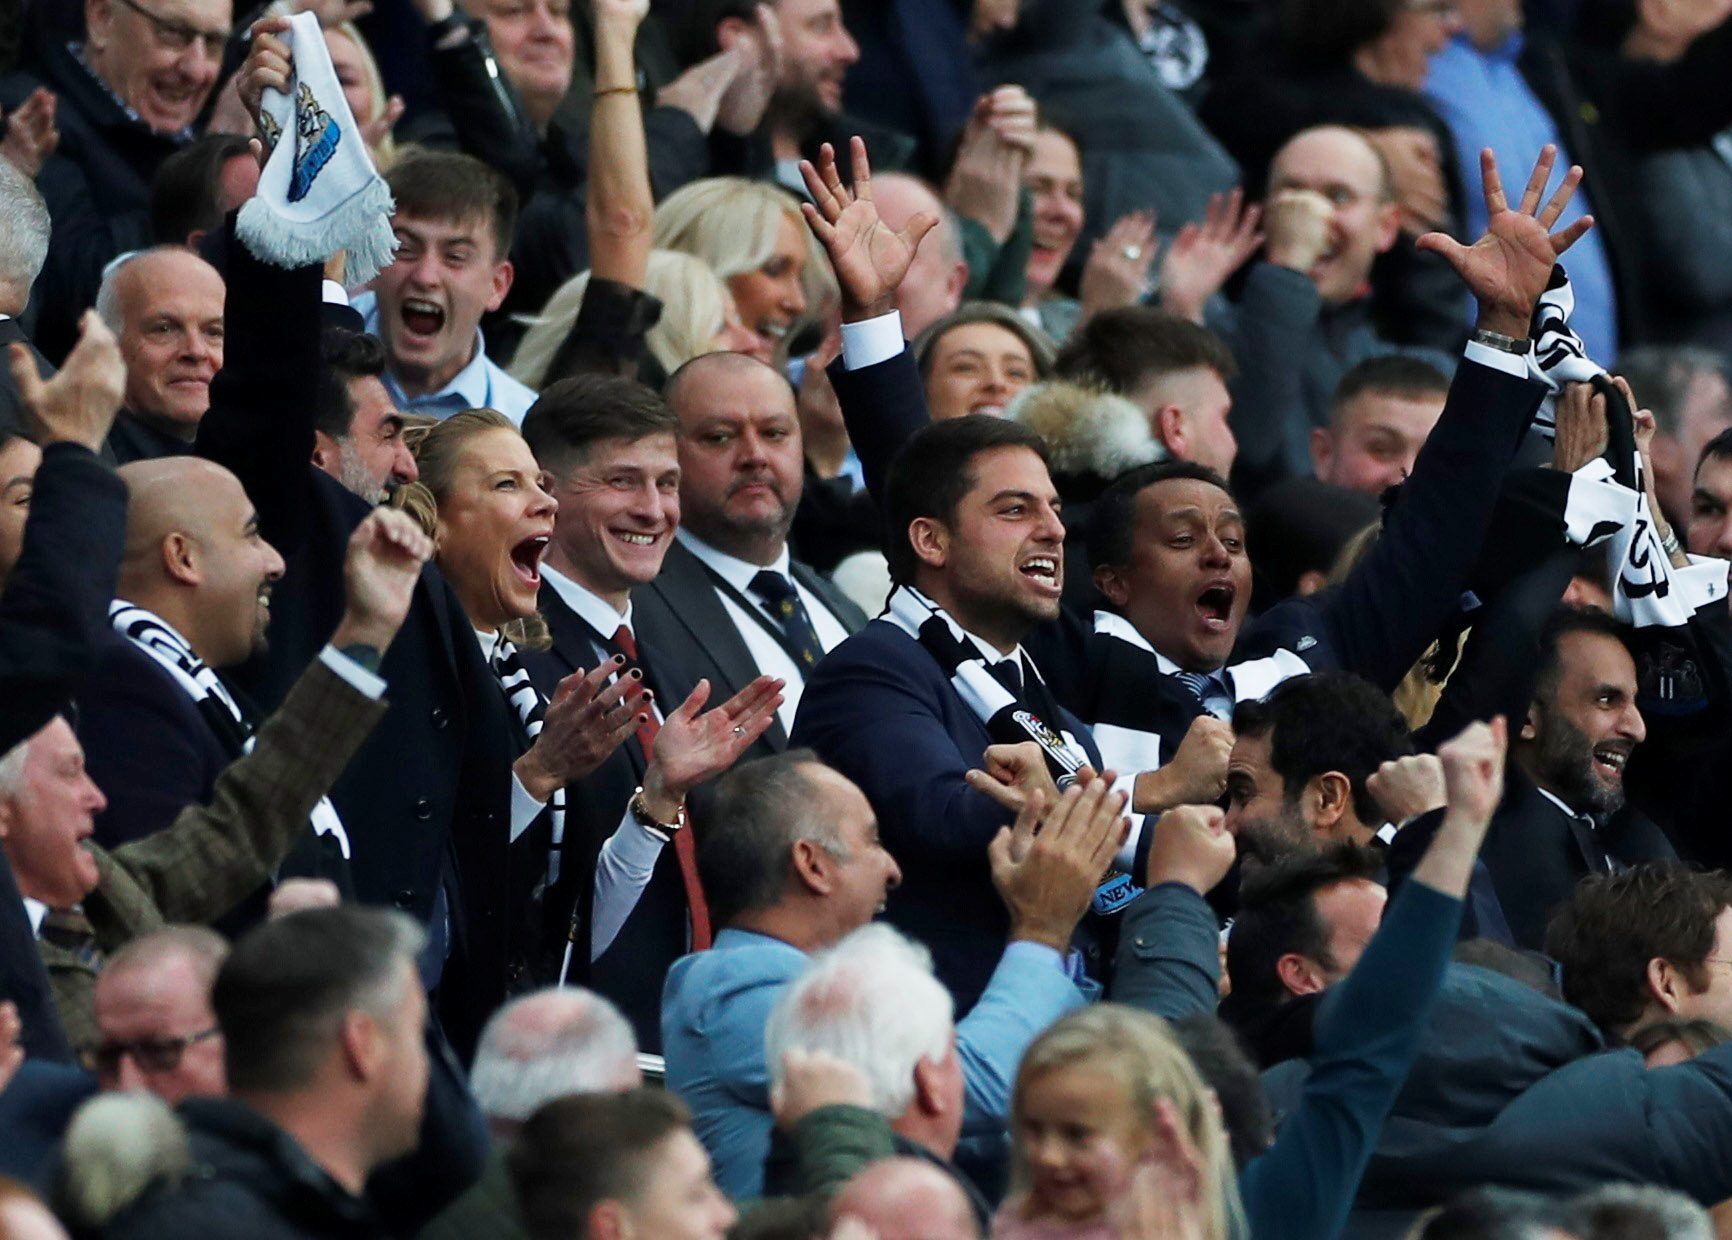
920 619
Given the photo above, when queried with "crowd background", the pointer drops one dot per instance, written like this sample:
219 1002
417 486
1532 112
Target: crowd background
903 618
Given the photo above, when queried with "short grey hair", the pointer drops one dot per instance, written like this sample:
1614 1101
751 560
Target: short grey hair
871 1001
1660 376
24 230
12 767
767 806
1644 1209
108 292
550 1044
201 947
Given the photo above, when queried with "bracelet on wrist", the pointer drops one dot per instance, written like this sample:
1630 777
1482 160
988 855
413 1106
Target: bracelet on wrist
1502 343
1670 543
603 91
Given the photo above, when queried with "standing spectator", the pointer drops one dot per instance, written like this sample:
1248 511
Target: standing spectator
358 434
1710 526
129 96
1687 391
1384 411
165 306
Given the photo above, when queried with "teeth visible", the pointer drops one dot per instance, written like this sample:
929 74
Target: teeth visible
639 540
1046 567
421 307
775 331
1612 759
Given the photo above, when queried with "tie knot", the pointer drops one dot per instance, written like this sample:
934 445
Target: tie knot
1008 672
772 587
625 642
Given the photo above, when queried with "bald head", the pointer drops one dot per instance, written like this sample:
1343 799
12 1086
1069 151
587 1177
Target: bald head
166 308
1344 167
936 278
551 1044
194 556
907 1199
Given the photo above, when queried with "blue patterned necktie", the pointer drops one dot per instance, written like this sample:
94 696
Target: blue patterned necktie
783 602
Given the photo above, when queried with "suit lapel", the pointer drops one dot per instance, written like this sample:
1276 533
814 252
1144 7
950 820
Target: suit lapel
578 646
847 613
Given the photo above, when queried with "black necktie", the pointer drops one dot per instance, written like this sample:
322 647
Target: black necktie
1008 672
783 602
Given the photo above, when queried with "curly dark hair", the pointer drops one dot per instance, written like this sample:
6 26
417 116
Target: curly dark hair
1614 924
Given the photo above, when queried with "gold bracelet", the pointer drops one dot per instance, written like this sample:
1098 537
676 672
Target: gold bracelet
615 90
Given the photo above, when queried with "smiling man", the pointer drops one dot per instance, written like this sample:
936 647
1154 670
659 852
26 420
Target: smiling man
454 222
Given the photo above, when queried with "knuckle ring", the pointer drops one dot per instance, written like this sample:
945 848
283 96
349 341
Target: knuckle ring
739 730
1132 252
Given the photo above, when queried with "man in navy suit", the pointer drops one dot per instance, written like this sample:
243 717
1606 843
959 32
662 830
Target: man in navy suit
629 900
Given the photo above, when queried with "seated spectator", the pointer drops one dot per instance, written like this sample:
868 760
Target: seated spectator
1302 923
1640 947
129 95
24 225
1709 531
358 433
152 1006
1121 1077
454 222
158 723
83 898
977 358
1686 389
540 1047
322 1014
612 1165
1384 409
698 316
198 185
1176 371
799 868
1304 318
752 236
906 1199
165 306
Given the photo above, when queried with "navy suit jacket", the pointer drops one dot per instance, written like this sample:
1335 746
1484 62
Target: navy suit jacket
881 711
35 1109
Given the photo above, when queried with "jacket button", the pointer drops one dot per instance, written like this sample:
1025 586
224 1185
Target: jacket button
441 717
423 808
404 900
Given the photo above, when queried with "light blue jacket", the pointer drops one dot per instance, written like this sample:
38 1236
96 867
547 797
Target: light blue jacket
715 1006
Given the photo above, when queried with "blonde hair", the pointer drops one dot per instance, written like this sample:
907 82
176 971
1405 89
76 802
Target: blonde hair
1138 1051
693 315
731 223
385 154
1419 692
437 447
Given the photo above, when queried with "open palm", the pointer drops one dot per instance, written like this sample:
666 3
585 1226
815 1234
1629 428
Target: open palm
870 258
1507 268
691 747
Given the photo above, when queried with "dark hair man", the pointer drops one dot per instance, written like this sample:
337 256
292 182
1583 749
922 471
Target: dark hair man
358 434
1709 531
1383 413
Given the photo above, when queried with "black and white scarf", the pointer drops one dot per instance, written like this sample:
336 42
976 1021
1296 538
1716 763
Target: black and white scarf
160 640
531 708
1607 499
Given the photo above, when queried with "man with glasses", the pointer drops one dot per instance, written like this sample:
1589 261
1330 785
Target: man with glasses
129 95
154 1017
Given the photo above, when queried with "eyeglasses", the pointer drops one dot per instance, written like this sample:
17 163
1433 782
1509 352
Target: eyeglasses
1432 8
150 1054
177 37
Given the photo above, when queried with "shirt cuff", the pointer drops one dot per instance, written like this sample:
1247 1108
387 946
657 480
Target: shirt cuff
636 846
524 807
1497 359
358 677
871 341
1701 583
1034 955
335 293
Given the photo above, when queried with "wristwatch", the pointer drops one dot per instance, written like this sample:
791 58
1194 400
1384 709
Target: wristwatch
1502 343
649 822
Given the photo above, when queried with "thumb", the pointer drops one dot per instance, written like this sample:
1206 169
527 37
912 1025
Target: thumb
917 229
998 852
24 375
1453 251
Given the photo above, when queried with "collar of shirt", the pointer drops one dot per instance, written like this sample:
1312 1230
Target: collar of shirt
992 654
489 643
35 910
736 572
1587 818
590 607
184 134
472 385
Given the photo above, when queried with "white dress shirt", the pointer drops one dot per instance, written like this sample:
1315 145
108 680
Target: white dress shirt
767 653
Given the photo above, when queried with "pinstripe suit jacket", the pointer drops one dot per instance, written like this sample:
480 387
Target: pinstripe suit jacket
214 855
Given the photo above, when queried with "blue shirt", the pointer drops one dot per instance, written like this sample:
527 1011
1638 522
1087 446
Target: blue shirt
1488 102
479 385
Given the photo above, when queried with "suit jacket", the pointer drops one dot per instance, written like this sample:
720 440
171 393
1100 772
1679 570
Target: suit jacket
435 834
53 611
13 415
680 615
213 856
630 972
713 1019
35 1109
881 711
134 439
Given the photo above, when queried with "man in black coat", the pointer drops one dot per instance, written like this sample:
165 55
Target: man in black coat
628 901
129 95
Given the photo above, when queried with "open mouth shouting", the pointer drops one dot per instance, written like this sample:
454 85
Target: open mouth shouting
1214 606
422 319
526 560
1610 758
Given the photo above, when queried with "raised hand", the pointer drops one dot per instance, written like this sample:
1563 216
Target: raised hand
1407 787
1297 223
1117 271
1197 772
334 12
985 182
1203 256
78 404
1473 771
1011 773
379 128
269 63
380 571
586 721
757 48
1047 875
1582 433
693 747
1507 269
30 133
870 258
1416 169
1190 845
